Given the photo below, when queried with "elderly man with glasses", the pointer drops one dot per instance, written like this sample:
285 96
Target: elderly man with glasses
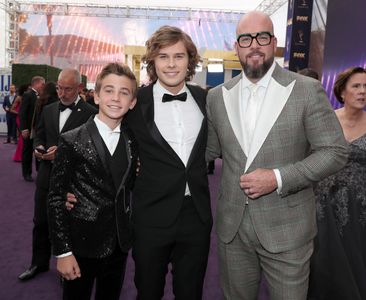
56 118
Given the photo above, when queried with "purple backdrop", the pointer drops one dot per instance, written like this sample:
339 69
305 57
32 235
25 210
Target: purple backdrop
345 44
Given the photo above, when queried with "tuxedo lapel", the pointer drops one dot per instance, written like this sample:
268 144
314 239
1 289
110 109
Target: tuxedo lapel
55 120
197 97
203 129
274 101
147 109
98 143
73 120
232 96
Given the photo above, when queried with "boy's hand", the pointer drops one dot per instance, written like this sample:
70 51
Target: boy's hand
68 267
70 201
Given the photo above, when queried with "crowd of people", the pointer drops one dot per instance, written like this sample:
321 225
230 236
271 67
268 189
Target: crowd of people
131 172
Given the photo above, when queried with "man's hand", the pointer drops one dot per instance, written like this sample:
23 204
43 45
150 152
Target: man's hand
38 151
51 152
258 183
70 201
25 134
68 267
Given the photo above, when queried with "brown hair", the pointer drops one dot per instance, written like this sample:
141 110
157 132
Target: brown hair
342 79
49 93
167 36
116 69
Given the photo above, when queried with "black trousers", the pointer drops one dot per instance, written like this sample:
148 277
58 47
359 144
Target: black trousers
27 157
12 126
108 274
185 245
41 245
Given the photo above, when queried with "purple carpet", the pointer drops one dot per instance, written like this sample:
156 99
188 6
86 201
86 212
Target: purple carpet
16 234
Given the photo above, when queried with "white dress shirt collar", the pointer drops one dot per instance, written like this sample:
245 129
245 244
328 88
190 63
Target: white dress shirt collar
35 91
64 115
109 136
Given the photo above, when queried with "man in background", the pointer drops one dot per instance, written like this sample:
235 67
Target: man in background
10 117
58 117
26 116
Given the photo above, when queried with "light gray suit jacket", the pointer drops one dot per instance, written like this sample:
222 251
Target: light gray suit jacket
298 133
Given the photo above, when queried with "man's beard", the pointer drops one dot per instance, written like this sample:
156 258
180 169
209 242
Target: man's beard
258 71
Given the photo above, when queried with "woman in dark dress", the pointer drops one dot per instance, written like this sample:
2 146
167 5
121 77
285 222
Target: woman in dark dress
338 269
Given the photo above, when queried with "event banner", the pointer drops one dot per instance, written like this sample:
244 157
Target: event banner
298 34
5 81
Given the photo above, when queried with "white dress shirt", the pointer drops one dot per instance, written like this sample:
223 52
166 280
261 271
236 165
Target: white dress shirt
64 115
12 98
262 86
179 122
109 136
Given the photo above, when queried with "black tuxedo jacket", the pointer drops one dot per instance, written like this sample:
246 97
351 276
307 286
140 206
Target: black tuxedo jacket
48 133
101 217
26 110
159 189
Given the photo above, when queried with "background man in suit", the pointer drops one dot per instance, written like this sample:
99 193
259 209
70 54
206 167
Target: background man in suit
172 215
56 118
279 129
26 114
10 117
97 162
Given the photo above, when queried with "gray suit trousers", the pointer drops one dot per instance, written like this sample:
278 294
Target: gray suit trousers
243 260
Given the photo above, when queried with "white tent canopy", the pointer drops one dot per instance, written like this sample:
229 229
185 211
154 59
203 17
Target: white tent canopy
279 17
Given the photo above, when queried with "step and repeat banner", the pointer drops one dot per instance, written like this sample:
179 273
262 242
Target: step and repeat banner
5 81
298 34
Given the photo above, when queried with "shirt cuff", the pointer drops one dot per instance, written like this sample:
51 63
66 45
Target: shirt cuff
64 254
279 180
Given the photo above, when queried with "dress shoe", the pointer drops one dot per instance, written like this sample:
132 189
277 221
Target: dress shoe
6 142
32 271
28 178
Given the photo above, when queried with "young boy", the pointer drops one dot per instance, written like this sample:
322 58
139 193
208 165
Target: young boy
96 162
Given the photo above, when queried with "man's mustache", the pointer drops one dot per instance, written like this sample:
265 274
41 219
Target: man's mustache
255 53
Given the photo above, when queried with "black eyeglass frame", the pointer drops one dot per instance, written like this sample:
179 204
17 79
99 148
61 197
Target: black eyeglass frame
255 37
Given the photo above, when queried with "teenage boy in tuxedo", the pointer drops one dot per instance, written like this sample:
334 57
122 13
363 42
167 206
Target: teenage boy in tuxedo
97 163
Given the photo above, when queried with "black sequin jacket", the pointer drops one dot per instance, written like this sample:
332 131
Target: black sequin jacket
101 216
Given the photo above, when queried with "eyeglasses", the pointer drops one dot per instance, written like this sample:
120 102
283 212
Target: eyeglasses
64 89
263 39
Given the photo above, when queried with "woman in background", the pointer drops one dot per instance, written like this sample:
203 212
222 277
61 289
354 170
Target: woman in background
48 95
15 109
338 269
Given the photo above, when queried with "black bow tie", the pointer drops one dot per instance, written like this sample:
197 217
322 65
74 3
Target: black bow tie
62 106
180 97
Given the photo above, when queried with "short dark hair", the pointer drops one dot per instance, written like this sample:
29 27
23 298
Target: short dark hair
36 79
309 73
167 36
116 69
342 79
